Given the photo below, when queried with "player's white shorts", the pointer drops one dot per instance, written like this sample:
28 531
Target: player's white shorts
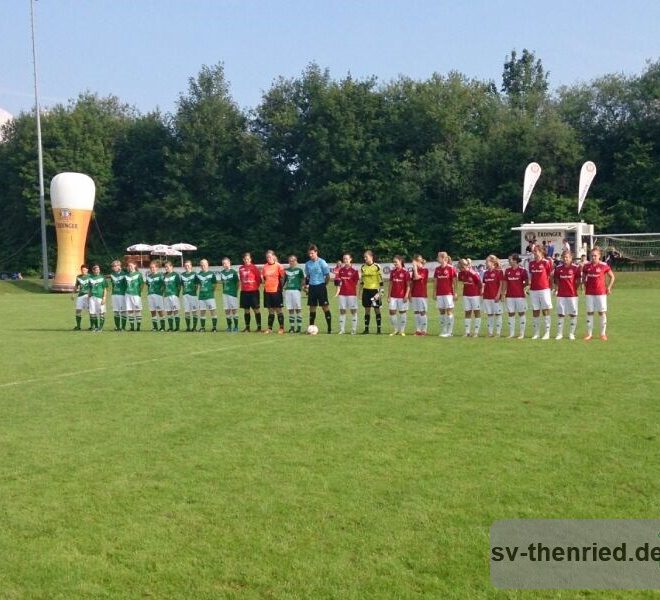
348 302
398 304
516 305
541 299
118 302
229 302
444 302
207 304
82 303
190 303
567 305
419 305
133 302
596 303
95 306
492 307
292 299
155 301
171 303
471 303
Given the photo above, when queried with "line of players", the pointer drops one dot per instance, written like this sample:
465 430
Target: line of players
283 287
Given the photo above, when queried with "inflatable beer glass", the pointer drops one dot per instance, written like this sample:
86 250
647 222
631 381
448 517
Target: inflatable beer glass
72 199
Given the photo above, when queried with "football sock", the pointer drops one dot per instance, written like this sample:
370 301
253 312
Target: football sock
512 325
187 323
443 323
328 320
424 321
228 322
162 323
78 320
603 325
154 323
101 322
417 322
124 320
354 322
170 323
93 322
394 322
312 317
468 325
450 323
477 324
117 321
202 322
299 321
523 324
378 321
560 324
342 322
547 320
138 321
271 320
280 320
235 322
403 319
367 320
590 324
194 322
257 317
490 324
248 318
535 325
572 325
214 322
498 324
292 320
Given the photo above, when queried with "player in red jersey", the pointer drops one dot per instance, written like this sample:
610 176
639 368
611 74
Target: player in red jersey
598 280
540 273
492 294
250 278
418 293
471 296
399 296
515 284
348 278
445 293
567 282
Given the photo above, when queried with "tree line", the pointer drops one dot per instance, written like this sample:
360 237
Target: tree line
399 167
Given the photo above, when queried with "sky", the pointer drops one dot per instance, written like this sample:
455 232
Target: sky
144 51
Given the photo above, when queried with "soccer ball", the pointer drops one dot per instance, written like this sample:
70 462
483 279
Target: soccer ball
312 330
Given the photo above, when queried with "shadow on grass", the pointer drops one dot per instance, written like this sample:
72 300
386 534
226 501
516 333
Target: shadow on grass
30 286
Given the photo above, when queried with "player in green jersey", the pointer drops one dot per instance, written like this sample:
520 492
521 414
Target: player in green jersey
172 284
81 295
189 285
207 280
155 288
134 283
294 278
97 291
118 282
229 279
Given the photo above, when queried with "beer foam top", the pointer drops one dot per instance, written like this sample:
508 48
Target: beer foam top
72 190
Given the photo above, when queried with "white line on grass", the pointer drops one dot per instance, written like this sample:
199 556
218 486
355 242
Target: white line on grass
137 362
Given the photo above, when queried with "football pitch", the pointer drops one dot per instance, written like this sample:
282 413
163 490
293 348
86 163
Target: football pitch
179 465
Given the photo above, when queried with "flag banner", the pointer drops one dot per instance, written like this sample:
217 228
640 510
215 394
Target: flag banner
532 174
587 174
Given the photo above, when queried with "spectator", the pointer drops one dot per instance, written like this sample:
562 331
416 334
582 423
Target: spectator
566 246
551 248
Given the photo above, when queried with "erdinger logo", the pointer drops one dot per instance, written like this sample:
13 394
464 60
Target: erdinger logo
65 214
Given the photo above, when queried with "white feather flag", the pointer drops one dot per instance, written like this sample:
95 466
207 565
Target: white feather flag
532 174
587 174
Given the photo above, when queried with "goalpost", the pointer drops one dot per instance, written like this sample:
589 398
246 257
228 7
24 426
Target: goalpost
636 247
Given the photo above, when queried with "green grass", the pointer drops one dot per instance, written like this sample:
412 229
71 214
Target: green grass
190 466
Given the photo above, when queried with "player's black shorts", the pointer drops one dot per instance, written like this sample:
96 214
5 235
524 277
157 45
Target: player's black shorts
367 296
249 299
317 295
273 300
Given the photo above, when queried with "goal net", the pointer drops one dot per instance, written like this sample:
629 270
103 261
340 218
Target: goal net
632 246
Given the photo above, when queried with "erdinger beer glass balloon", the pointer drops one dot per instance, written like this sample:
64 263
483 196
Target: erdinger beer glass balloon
72 199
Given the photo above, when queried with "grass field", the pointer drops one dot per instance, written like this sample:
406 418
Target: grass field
220 466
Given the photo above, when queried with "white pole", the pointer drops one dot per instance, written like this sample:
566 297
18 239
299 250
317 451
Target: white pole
42 202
